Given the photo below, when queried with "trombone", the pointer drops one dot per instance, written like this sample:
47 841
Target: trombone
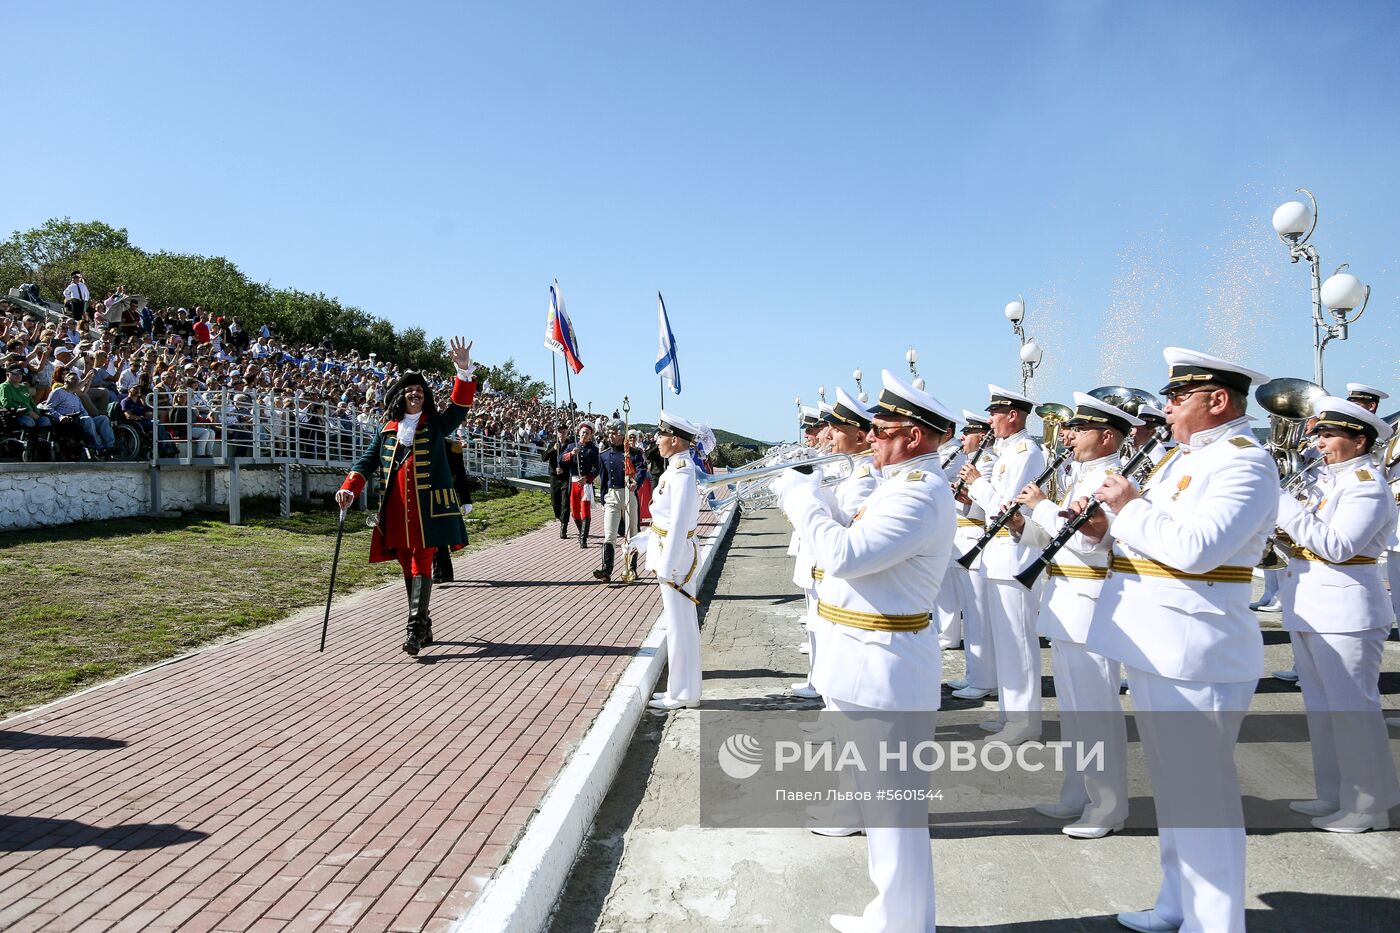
753 485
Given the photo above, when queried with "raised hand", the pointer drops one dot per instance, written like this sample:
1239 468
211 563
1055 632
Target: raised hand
461 353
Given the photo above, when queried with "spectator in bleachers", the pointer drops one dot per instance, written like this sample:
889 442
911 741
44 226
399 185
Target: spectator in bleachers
15 396
65 402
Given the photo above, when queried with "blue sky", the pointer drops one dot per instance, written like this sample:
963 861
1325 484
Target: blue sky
813 186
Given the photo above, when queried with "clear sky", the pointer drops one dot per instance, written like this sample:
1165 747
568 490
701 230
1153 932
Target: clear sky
813 186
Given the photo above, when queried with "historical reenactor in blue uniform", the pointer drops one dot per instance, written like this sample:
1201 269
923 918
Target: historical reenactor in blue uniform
419 510
619 492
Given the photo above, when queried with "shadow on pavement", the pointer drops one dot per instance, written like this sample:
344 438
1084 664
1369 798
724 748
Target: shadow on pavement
11 740
36 833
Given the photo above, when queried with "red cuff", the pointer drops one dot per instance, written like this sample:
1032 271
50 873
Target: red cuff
463 392
354 482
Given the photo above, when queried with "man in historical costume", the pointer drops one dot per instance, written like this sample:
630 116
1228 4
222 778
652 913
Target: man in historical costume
965 587
1010 607
1086 684
559 477
1174 611
881 572
674 556
419 511
1337 616
581 459
618 468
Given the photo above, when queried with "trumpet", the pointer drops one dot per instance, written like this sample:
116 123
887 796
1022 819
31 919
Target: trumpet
1130 400
753 485
1053 416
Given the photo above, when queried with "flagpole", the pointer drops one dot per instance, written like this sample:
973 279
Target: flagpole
661 388
554 376
570 384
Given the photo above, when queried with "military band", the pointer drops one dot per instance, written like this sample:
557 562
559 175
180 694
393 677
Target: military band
1151 578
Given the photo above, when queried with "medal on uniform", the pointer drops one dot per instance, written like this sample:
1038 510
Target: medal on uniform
1181 485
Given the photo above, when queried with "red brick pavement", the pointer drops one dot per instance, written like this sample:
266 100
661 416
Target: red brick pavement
260 785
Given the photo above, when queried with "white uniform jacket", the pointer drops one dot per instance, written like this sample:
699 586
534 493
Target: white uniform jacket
1076 575
1176 601
1020 460
881 572
1333 583
843 500
675 510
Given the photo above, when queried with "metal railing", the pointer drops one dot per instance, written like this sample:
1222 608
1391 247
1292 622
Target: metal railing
219 424
499 458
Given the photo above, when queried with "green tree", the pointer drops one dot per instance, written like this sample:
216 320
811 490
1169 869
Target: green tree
508 379
48 254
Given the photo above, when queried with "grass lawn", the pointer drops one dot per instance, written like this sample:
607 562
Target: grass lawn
85 603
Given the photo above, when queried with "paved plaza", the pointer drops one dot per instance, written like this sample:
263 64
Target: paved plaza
259 785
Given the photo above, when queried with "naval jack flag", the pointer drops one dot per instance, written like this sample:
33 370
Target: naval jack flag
668 366
559 333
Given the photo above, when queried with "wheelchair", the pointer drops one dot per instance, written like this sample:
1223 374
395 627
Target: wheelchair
17 442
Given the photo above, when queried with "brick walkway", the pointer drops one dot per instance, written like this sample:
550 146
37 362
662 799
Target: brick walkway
262 786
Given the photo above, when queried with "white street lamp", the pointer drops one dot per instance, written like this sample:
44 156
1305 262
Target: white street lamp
911 356
1294 222
1015 311
821 392
861 395
1031 354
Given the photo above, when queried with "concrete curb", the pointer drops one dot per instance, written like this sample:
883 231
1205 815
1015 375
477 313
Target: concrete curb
520 898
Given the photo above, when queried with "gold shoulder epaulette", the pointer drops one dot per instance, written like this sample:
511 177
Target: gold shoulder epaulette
863 472
1364 475
1239 441
1021 447
913 476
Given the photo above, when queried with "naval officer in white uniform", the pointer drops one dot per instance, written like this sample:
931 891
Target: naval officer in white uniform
1174 611
1387 454
844 429
1336 611
1010 607
674 556
1086 683
881 574
979 656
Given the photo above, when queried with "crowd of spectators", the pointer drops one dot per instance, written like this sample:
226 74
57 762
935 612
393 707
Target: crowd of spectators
202 379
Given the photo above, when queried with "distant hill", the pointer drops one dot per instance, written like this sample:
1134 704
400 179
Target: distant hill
724 437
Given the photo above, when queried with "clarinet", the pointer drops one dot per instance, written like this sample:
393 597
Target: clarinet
998 523
952 454
977 455
1132 469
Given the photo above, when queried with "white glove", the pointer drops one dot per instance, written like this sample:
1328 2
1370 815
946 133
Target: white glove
467 509
789 482
1289 508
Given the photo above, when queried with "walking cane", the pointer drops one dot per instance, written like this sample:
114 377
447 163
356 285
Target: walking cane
335 561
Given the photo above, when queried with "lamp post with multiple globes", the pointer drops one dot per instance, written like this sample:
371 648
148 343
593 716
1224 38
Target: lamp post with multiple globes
1294 222
1031 353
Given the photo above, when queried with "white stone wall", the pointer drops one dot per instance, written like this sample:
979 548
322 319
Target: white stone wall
39 495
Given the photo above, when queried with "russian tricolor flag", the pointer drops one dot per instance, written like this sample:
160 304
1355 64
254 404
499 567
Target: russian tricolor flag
559 330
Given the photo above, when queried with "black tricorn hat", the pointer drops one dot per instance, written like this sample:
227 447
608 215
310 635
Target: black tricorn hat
409 379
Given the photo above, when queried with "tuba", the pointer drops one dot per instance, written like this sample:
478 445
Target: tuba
1053 416
1289 403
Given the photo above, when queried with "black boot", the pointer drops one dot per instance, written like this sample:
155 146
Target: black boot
583 533
425 621
606 572
442 565
564 528
633 561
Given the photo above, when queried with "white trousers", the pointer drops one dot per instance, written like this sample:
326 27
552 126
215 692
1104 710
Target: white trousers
612 513
682 646
1191 760
1086 686
900 858
947 611
812 623
1339 674
1392 573
978 651
1011 610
